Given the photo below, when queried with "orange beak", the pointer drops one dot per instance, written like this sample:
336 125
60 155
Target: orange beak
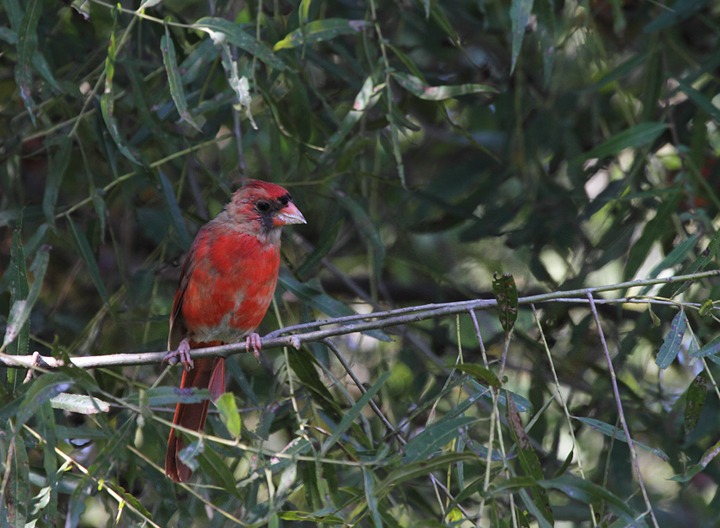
289 215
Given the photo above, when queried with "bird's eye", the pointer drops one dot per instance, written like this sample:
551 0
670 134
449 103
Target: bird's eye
263 206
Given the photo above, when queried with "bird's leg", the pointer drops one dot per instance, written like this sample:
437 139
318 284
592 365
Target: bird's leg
253 340
183 353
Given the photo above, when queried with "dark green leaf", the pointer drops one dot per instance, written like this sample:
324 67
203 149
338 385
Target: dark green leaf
700 100
679 11
83 247
173 211
507 299
529 461
619 434
520 11
637 136
26 46
350 415
174 80
695 399
220 29
587 492
693 470
432 438
52 185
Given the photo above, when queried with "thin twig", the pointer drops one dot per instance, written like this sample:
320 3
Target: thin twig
618 402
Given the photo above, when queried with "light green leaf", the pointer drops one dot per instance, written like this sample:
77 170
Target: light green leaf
229 413
320 30
420 89
619 434
520 11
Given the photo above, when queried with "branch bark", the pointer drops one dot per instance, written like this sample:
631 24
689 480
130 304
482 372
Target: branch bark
355 323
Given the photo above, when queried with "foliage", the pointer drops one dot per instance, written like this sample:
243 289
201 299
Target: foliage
429 144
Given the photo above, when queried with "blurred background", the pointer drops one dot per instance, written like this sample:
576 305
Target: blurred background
429 144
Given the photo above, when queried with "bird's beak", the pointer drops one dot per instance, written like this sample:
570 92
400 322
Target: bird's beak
289 215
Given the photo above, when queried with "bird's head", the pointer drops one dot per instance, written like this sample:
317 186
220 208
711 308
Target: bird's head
263 207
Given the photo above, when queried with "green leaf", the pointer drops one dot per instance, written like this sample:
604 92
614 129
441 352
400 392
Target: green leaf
173 74
17 493
367 229
587 492
680 10
626 68
79 403
693 470
422 468
311 294
54 180
438 93
634 137
695 399
303 364
159 396
697 265
713 347
479 373
229 413
107 100
672 259
507 299
20 311
19 291
220 30
520 11
43 389
27 46
349 416
529 461
370 497
673 341
619 434
86 253
431 439
320 30
173 211
700 100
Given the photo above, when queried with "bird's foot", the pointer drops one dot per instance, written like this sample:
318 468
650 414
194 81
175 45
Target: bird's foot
182 353
253 340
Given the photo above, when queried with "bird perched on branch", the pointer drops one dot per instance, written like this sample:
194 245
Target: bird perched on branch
226 286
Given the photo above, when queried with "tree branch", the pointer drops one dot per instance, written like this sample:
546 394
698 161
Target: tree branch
357 323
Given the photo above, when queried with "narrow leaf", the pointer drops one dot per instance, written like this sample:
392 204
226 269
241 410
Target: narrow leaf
673 340
672 259
370 497
430 440
507 299
618 434
637 136
175 216
79 403
529 461
700 100
21 309
693 470
107 101
86 253
26 46
220 29
696 395
520 11
320 30
713 347
422 90
480 373
176 88
587 492
229 413
54 180
353 412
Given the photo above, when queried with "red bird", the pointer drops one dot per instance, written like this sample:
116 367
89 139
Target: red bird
226 286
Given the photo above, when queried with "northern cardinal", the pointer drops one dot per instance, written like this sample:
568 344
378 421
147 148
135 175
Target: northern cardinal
226 286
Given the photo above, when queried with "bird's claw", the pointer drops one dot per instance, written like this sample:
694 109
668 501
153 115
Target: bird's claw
253 340
182 353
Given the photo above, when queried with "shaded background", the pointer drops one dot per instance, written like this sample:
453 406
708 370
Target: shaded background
429 144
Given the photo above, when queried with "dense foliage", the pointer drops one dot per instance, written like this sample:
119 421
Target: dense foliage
429 144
